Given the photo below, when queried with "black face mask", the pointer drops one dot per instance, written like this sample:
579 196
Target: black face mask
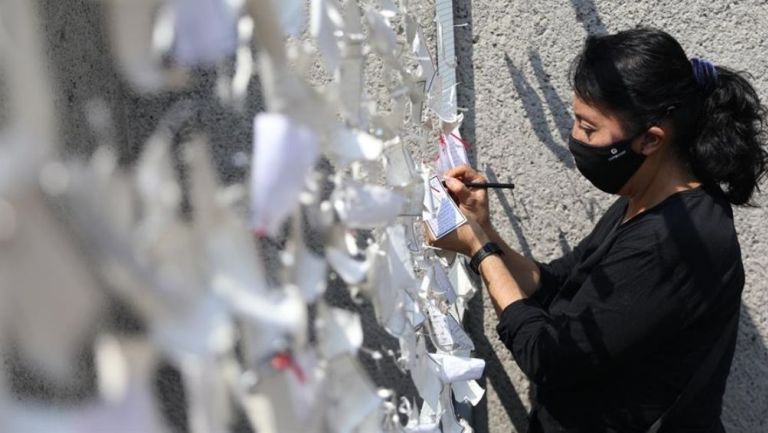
607 167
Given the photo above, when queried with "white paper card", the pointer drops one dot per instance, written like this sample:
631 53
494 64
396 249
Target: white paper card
456 368
441 329
401 170
465 286
351 145
445 104
426 71
441 284
467 391
383 38
350 270
340 331
447 332
325 20
425 376
351 395
284 151
433 427
400 261
367 206
449 422
291 15
452 153
441 215
205 31
310 273
461 341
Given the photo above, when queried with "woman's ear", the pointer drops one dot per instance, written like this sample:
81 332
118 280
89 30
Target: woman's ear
653 139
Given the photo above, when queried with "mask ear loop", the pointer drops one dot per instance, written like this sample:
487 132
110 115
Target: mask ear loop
657 120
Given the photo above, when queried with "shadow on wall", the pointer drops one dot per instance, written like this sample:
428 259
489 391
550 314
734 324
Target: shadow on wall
587 15
514 220
745 405
465 72
557 107
475 321
534 109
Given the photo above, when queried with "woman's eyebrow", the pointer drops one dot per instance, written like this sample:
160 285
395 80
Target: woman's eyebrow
581 116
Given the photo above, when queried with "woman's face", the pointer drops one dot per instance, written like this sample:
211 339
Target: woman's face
603 151
595 126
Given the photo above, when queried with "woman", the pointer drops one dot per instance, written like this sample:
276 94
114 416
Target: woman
635 329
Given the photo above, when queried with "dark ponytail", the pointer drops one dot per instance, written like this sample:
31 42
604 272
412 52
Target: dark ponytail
718 123
729 147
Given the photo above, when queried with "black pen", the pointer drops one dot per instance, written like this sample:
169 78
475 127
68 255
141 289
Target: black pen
487 185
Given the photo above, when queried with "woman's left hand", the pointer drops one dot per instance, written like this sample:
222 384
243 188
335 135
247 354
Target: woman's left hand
467 239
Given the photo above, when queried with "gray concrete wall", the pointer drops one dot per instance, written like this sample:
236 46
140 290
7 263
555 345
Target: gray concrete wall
513 60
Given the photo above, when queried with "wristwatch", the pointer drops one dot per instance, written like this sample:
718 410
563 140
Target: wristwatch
488 249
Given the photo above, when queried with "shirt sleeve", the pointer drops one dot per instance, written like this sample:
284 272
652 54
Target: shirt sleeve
624 304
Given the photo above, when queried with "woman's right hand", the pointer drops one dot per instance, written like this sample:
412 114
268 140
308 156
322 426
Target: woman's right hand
472 201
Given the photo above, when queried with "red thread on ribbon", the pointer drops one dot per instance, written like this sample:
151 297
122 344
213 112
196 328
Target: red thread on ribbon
466 144
284 361
462 141
441 139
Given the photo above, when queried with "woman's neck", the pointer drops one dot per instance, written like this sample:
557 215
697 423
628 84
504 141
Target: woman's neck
667 178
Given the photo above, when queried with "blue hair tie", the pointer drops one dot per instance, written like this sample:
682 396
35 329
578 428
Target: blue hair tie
705 73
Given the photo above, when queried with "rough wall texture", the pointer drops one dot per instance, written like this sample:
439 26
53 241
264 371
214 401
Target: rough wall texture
513 59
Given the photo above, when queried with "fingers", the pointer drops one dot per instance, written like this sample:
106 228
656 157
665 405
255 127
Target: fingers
465 173
457 189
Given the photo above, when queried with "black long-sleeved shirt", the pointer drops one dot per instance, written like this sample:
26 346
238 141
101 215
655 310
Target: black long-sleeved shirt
615 332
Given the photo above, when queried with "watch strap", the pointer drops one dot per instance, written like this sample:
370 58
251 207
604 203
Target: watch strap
486 250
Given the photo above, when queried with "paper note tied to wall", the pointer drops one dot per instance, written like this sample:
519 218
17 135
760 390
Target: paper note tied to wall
205 31
284 151
452 151
441 213
444 101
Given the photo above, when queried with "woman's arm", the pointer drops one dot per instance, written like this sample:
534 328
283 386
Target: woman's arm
473 202
503 286
540 279
524 270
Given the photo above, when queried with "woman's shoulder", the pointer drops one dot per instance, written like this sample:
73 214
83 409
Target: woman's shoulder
702 212
694 223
